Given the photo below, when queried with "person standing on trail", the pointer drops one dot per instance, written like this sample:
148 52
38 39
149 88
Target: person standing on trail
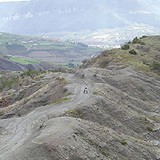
85 89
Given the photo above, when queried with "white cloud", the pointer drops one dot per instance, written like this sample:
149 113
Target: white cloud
12 0
141 12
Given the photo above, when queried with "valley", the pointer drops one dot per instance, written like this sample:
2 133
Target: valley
107 38
32 50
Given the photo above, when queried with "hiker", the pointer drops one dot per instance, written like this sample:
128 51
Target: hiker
85 89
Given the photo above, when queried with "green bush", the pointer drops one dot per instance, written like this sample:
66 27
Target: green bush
155 66
150 129
143 37
133 52
31 73
137 41
125 47
123 142
7 83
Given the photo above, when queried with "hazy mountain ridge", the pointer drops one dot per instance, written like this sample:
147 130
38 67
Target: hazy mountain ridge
77 15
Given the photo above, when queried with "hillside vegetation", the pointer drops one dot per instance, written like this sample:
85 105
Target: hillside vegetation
142 53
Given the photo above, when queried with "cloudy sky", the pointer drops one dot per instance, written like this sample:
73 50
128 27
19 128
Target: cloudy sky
12 0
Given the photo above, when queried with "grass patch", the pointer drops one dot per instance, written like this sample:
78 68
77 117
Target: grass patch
23 60
7 83
77 113
96 93
70 111
61 100
155 66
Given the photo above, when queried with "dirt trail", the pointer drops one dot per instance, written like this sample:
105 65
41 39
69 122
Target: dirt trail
19 130
115 119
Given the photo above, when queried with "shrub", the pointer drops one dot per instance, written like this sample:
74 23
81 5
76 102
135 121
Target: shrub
123 142
155 66
133 52
31 73
150 129
125 47
137 41
7 83
143 37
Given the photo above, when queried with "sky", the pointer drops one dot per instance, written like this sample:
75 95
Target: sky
12 0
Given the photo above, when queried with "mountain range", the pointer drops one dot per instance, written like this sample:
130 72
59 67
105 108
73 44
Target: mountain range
40 17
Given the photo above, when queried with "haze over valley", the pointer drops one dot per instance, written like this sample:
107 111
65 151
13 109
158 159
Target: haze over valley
103 23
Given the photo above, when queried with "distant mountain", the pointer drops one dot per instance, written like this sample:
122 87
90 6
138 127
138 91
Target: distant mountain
39 16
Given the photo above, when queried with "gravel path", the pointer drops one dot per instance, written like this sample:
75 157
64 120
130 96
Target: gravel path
17 131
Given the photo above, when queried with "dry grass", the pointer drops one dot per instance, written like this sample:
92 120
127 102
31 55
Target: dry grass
146 58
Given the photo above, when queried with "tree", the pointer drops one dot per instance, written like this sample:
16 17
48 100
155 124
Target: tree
133 52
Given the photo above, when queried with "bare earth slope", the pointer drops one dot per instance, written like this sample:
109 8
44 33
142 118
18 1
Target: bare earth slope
118 119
